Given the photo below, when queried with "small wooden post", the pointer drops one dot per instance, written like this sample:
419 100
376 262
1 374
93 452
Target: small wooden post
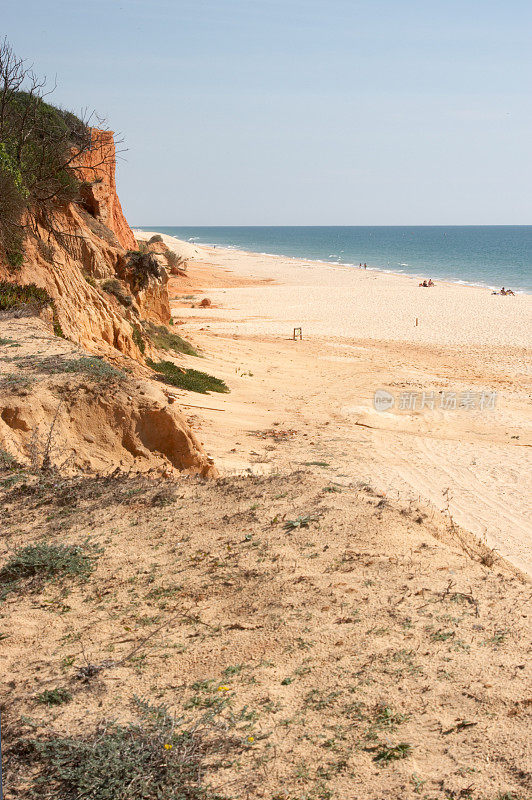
416 322
297 332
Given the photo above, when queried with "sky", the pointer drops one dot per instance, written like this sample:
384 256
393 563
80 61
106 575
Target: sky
299 112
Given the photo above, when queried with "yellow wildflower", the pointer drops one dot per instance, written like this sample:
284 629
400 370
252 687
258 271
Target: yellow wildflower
223 688
168 746
251 739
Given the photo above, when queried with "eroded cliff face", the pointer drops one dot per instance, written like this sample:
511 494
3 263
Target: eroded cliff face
98 172
93 248
60 408
102 294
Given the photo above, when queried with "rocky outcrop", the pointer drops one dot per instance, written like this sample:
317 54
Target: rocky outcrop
98 172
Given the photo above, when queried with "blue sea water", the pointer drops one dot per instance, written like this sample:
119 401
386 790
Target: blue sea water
491 255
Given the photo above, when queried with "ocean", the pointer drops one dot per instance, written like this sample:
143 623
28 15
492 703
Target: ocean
494 255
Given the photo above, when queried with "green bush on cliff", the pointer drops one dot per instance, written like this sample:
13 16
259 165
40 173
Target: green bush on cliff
114 287
140 268
13 296
39 148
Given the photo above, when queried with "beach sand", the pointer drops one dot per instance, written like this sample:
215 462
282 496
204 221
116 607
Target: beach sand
359 336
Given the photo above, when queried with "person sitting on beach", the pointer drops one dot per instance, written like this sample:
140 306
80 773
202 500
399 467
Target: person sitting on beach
431 282
509 291
503 290
425 284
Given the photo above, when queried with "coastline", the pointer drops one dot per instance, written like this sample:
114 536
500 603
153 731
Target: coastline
489 269
359 336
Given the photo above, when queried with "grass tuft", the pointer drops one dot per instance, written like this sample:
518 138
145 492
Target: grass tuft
164 339
189 379
388 753
54 697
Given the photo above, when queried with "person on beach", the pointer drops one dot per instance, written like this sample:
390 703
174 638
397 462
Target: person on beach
431 282
365 265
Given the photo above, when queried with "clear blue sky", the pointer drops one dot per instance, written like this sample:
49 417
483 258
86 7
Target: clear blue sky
287 112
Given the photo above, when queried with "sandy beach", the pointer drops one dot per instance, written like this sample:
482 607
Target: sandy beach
458 435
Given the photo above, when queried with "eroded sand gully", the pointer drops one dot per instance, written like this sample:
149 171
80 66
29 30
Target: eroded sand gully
359 336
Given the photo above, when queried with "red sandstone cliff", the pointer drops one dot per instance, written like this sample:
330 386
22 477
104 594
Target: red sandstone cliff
91 251
97 171
103 296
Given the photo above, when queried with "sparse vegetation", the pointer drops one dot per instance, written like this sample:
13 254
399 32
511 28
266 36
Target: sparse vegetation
54 697
14 296
164 339
156 757
299 522
155 238
138 339
388 753
189 379
44 561
114 287
176 262
96 368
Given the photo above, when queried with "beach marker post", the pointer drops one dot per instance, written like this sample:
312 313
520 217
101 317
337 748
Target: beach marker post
297 332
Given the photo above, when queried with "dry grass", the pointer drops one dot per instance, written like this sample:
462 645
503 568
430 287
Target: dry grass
364 655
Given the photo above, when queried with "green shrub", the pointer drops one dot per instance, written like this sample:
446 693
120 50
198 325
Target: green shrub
13 296
90 280
58 330
156 758
164 339
176 261
43 561
54 697
137 338
114 287
140 268
189 379
7 461
156 238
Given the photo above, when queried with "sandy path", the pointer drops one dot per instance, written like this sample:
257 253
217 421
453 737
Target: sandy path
360 336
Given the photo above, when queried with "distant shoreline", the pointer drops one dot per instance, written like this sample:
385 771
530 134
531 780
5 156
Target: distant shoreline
444 252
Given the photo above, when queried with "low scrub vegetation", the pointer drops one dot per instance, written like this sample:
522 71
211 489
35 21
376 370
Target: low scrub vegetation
41 562
138 339
156 757
89 365
13 296
54 697
164 339
189 379
114 287
175 261
140 268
